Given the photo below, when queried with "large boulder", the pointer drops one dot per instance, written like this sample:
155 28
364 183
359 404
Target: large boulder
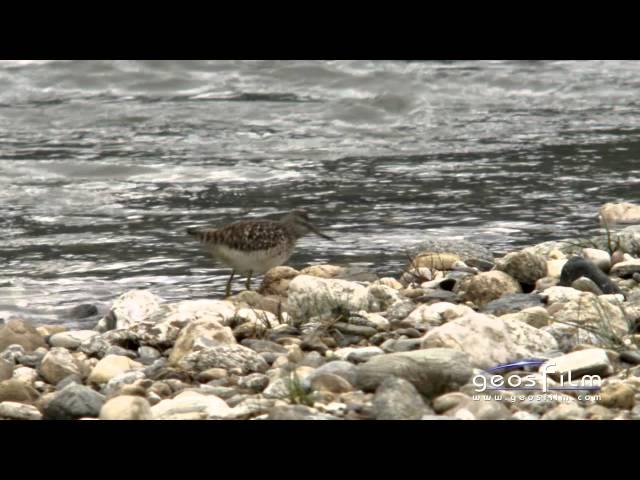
129 308
490 341
432 371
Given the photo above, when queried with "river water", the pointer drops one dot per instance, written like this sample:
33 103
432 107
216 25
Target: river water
103 164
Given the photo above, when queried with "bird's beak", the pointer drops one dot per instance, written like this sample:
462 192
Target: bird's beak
317 232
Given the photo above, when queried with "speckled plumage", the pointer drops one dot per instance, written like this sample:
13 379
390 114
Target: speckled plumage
255 246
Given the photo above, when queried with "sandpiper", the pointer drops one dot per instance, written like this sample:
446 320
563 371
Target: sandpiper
255 246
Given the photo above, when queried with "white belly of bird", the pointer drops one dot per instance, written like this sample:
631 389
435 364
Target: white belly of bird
257 261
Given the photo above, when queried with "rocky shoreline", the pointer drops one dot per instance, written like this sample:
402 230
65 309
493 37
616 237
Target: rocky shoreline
330 343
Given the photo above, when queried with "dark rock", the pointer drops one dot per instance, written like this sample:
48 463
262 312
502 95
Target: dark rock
577 267
16 391
20 332
84 310
68 380
630 356
512 303
397 399
75 401
31 359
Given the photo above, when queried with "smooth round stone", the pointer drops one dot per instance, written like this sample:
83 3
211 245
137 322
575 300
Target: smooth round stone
19 411
344 369
330 383
71 339
398 399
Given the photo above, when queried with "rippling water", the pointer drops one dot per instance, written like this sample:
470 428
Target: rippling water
104 163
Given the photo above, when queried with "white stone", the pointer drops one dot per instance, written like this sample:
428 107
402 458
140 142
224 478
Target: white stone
591 361
190 402
189 339
26 375
378 320
111 366
129 308
561 294
489 340
19 411
319 297
600 258
71 339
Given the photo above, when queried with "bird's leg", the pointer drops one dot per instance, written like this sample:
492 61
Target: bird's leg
248 284
227 292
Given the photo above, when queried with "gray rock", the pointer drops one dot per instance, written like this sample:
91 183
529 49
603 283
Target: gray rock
20 332
577 267
626 269
346 370
68 380
116 383
297 412
123 352
512 303
12 353
81 311
585 284
256 382
72 339
397 399
399 311
74 401
525 266
592 361
224 356
329 382
148 355
32 359
401 345
432 371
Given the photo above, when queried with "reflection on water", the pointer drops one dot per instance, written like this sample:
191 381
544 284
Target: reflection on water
104 164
